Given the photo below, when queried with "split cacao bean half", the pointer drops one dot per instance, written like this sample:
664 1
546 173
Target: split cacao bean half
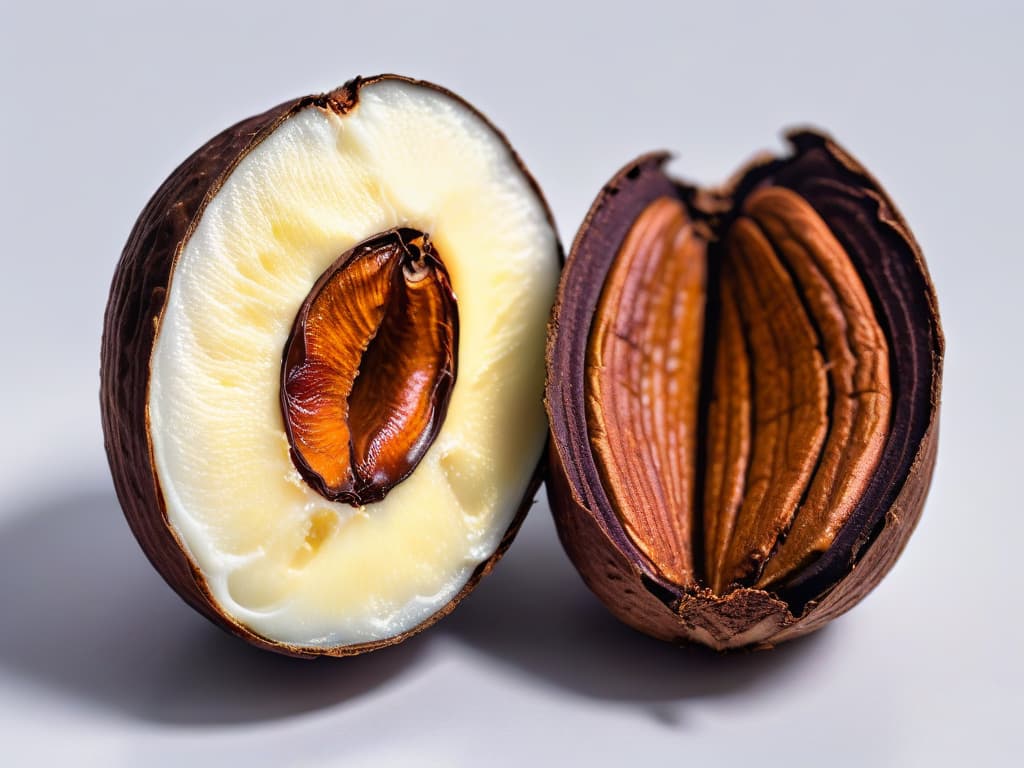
743 390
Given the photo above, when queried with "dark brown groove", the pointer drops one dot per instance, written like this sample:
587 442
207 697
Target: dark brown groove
705 392
752 405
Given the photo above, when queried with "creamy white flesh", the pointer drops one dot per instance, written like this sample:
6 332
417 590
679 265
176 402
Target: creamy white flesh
277 556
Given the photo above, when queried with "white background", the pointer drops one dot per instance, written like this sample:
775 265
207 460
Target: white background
100 663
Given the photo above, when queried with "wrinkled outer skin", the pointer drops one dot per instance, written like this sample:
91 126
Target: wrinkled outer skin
134 309
591 534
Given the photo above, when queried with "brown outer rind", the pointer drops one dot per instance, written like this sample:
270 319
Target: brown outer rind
590 533
134 309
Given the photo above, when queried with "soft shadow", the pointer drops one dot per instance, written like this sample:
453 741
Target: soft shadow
83 612
535 615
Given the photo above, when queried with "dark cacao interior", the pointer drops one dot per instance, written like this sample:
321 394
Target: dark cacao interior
884 256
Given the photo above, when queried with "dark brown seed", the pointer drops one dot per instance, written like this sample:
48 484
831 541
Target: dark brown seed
369 367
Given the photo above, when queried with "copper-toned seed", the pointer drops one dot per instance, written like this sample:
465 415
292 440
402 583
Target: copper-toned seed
858 356
643 372
369 367
790 399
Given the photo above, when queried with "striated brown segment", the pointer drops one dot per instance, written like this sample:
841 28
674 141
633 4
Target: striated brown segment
858 354
818 405
789 398
574 479
134 309
642 376
369 367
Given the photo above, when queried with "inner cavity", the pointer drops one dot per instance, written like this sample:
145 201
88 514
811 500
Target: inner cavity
735 460
321 526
